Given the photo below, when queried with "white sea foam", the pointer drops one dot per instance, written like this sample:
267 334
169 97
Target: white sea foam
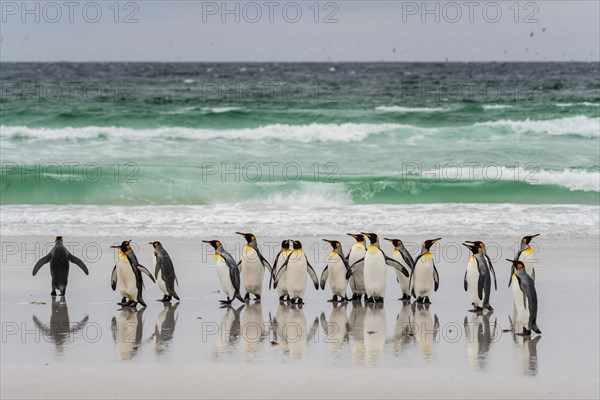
579 125
269 220
400 109
496 106
348 132
574 180
584 104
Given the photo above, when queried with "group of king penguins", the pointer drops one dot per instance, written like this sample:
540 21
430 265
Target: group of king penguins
363 269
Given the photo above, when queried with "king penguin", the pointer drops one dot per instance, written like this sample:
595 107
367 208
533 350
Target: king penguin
424 275
403 257
375 271
128 272
525 296
338 271
297 266
164 271
478 277
228 272
279 260
357 252
59 259
252 266
525 255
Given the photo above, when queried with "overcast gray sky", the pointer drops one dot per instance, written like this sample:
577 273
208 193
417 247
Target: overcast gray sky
267 30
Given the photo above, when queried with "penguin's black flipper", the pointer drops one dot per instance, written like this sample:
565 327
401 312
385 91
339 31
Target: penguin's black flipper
274 272
396 265
283 268
324 276
533 275
145 271
312 273
113 278
466 284
79 263
480 285
356 262
41 262
436 279
512 271
492 271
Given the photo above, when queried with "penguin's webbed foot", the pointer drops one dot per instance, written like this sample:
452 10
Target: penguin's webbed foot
370 300
247 297
526 332
257 297
131 303
123 301
427 301
53 293
228 301
378 299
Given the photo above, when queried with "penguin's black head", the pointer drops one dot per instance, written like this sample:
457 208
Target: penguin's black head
124 246
248 236
527 239
59 238
297 244
516 263
372 237
155 244
285 244
214 243
428 243
474 249
334 243
358 236
476 243
395 242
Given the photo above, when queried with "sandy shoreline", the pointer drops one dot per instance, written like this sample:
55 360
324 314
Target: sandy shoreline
387 364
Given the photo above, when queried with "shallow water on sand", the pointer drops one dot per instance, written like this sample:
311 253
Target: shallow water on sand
443 342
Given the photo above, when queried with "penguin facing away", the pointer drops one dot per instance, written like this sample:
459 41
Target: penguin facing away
59 258
164 272
128 274
227 271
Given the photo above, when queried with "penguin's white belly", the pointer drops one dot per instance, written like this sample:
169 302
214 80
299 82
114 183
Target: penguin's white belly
473 282
126 280
423 279
527 258
375 273
161 283
253 271
403 280
296 275
282 283
224 278
357 280
337 276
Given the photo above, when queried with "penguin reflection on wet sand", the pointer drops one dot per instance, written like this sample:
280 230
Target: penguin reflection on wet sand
527 354
336 328
297 333
127 331
403 329
60 329
164 271
525 299
374 331
252 327
356 327
426 326
165 327
229 331
480 335
59 259
128 274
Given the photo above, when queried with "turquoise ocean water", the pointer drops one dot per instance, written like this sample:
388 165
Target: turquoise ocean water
213 145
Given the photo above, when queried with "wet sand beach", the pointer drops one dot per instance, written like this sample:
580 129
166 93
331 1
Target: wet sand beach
86 346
